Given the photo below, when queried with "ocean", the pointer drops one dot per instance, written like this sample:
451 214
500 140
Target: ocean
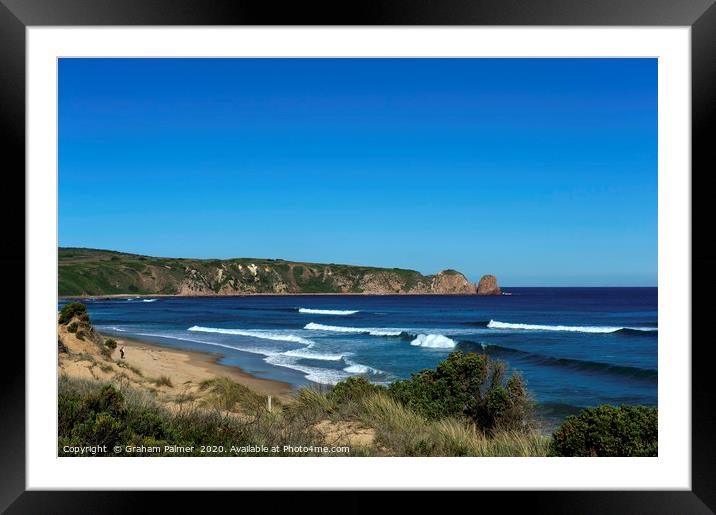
576 347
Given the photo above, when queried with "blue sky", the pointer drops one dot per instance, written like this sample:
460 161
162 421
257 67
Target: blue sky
540 171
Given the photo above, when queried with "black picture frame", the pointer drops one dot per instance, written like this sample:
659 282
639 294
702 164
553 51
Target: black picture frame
17 15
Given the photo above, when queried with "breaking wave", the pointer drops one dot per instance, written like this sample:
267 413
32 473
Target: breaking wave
435 341
354 330
306 353
312 311
495 324
357 368
255 333
315 374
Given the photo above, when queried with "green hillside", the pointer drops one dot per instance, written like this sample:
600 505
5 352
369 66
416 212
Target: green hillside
85 271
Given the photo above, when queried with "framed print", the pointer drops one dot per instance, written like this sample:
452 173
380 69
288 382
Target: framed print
421 248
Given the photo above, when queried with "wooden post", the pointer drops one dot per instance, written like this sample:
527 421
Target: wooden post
269 403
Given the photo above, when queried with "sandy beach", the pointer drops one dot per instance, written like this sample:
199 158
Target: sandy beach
191 366
145 364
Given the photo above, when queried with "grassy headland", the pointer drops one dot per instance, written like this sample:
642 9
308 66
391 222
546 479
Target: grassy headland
103 272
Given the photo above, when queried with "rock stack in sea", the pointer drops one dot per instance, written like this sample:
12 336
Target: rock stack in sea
488 286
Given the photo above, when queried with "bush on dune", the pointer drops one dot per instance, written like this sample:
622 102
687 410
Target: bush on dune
468 385
109 346
608 431
353 388
71 310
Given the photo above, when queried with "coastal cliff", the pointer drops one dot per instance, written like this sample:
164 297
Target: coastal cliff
103 272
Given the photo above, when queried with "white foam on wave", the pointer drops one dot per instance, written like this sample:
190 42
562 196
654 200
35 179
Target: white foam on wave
170 336
149 300
358 368
254 333
312 311
315 374
435 341
495 324
306 353
111 328
353 330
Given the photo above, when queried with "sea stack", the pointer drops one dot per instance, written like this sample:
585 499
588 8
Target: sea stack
488 286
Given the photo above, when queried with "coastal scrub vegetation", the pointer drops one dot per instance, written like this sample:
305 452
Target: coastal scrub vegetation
234 415
117 415
608 431
472 386
231 414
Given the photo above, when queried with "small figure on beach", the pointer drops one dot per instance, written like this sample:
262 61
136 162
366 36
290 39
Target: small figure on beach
121 351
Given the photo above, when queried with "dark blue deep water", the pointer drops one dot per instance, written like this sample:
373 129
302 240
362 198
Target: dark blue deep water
576 347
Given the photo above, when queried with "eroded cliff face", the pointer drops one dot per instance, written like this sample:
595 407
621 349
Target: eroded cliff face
326 280
452 282
488 286
97 272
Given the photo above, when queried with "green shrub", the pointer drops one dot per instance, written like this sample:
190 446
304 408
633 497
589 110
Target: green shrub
109 399
352 389
453 388
72 328
61 347
509 407
468 385
608 431
71 310
110 343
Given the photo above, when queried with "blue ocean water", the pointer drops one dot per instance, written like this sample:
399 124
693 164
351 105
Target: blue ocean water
575 347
